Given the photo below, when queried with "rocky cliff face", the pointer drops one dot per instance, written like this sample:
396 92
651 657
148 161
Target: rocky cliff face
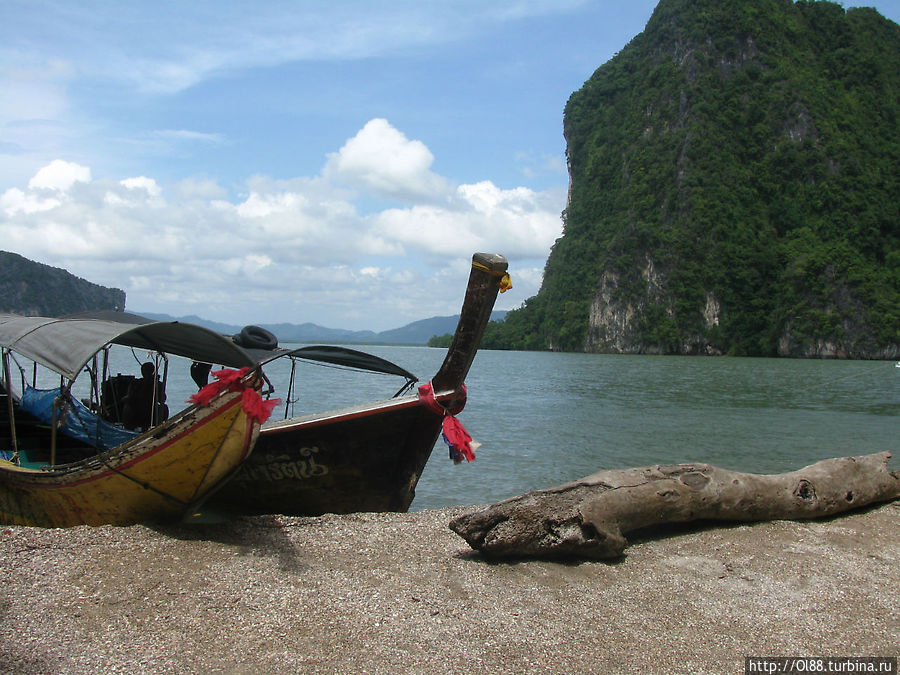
733 189
851 337
34 289
616 325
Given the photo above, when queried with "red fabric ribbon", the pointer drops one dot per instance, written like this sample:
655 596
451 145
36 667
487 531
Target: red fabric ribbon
256 408
458 440
426 396
456 437
225 379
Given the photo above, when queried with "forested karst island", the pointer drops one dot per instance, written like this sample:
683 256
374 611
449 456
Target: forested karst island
734 189
33 289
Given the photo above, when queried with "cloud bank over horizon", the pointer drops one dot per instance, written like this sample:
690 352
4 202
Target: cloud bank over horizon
375 240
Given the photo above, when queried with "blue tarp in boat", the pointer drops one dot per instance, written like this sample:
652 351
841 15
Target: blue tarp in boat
79 423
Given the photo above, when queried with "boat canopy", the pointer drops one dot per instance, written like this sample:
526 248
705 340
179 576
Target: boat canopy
335 355
65 345
339 356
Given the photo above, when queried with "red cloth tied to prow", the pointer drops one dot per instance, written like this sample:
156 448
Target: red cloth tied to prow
454 434
256 408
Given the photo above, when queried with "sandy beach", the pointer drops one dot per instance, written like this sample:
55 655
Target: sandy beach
401 593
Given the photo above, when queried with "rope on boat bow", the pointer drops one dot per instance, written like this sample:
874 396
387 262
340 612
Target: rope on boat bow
505 282
459 443
256 408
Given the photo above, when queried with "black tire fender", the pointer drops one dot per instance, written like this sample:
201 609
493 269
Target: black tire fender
254 337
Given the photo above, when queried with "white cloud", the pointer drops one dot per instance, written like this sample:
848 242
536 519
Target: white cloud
373 272
286 250
15 201
60 175
382 160
131 192
191 189
263 206
248 265
483 217
142 183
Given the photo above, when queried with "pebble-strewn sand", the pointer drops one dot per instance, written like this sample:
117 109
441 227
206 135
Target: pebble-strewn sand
400 593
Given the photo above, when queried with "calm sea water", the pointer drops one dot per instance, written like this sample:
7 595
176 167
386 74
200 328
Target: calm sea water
544 419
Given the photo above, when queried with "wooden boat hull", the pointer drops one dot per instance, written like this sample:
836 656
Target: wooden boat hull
365 458
362 459
160 475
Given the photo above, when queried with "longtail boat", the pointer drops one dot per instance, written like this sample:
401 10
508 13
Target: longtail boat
67 461
366 457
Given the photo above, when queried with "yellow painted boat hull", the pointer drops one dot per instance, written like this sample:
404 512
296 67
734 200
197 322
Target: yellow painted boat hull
161 475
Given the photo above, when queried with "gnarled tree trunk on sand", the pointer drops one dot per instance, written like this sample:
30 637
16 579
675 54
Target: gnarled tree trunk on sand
588 518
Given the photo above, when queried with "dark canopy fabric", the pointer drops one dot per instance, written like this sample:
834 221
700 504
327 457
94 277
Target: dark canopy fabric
65 345
342 356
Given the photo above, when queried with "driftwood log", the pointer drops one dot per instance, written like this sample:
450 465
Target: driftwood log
588 518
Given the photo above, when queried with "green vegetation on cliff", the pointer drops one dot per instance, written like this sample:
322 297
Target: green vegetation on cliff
34 289
734 189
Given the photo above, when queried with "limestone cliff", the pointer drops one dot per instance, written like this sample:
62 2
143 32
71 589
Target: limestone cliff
733 190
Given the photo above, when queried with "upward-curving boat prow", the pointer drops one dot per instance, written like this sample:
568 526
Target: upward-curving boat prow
367 457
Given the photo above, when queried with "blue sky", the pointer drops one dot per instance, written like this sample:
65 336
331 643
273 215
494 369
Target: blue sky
295 161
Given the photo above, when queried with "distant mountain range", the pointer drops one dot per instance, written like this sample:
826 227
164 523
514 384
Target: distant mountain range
417 332
34 289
